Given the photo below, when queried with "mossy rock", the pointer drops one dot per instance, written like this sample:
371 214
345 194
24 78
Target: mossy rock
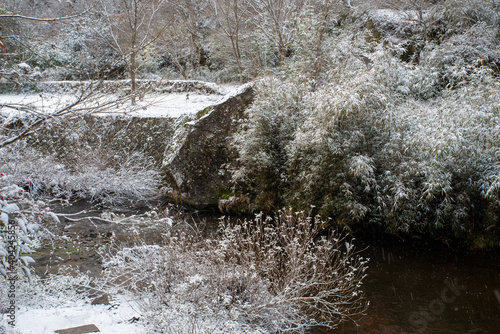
197 156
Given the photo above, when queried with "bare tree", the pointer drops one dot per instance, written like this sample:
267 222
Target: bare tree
190 15
20 120
182 38
321 15
173 42
274 19
227 14
132 28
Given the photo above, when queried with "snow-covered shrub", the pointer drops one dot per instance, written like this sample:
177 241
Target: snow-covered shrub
134 179
463 54
21 226
268 275
411 147
273 120
330 164
313 279
103 159
301 139
62 288
465 13
438 168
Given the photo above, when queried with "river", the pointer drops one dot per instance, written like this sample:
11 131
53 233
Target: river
413 286
417 287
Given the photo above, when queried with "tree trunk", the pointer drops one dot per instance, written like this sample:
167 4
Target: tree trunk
235 41
282 49
179 66
198 49
236 52
132 76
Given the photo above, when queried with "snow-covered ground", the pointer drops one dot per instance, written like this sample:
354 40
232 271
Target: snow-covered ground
45 306
167 105
151 105
122 316
110 319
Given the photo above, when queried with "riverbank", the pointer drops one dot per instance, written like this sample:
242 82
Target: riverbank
404 284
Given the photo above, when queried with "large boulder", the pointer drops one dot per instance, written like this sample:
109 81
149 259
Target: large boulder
198 155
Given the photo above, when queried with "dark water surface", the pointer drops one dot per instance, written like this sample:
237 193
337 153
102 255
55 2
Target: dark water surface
417 288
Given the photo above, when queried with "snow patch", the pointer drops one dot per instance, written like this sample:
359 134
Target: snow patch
158 104
113 319
168 105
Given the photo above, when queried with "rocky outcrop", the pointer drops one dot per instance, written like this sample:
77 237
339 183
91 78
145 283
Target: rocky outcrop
197 156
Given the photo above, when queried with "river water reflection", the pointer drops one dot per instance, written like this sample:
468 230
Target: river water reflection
417 288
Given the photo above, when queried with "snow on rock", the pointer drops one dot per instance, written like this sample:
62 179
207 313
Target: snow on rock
168 105
54 304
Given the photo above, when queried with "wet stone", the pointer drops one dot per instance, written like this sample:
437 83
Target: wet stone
102 300
79 330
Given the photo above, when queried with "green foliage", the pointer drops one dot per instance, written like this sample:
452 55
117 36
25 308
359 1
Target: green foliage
51 60
263 143
410 147
465 13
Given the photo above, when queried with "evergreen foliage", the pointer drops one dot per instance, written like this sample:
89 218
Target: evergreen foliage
374 139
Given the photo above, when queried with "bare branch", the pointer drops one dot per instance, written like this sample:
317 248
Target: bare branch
54 19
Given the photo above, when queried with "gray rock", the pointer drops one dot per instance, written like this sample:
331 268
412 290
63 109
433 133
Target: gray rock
197 156
235 204
101 300
79 330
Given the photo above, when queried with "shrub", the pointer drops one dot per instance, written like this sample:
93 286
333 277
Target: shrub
465 13
278 274
462 55
22 221
437 170
89 176
273 120
379 142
